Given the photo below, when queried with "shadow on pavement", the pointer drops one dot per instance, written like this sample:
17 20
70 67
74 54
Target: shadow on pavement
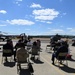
67 69
25 72
72 59
37 61
9 64
49 52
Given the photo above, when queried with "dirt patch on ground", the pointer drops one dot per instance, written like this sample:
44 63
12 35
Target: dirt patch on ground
48 39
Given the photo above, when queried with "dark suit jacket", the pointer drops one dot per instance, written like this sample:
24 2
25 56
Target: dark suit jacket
19 45
8 46
62 49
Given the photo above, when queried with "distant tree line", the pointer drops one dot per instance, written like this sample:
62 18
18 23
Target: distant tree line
38 36
49 36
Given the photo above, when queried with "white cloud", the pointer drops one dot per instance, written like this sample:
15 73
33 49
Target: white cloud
45 17
20 22
3 12
43 21
35 5
45 14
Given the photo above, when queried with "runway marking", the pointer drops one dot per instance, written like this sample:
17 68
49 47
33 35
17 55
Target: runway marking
53 66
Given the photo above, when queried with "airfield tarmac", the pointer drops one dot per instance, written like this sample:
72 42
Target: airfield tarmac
43 66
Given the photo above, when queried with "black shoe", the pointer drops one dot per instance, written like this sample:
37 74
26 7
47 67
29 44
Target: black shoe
32 58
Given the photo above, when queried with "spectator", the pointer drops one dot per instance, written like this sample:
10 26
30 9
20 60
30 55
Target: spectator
34 49
25 42
63 48
8 45
29 42
22 51
38 43
18 45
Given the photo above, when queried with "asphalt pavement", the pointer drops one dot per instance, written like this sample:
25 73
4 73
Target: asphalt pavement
43 66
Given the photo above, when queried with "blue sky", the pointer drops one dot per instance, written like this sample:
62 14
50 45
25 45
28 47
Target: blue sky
37 17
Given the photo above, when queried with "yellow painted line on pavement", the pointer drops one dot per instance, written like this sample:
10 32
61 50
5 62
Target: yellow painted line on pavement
53 66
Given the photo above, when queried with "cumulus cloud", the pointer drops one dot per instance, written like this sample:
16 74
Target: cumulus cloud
3 12
45 14
35 5
45 17
44 21
20 22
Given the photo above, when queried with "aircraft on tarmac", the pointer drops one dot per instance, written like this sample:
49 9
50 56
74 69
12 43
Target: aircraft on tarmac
6 35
